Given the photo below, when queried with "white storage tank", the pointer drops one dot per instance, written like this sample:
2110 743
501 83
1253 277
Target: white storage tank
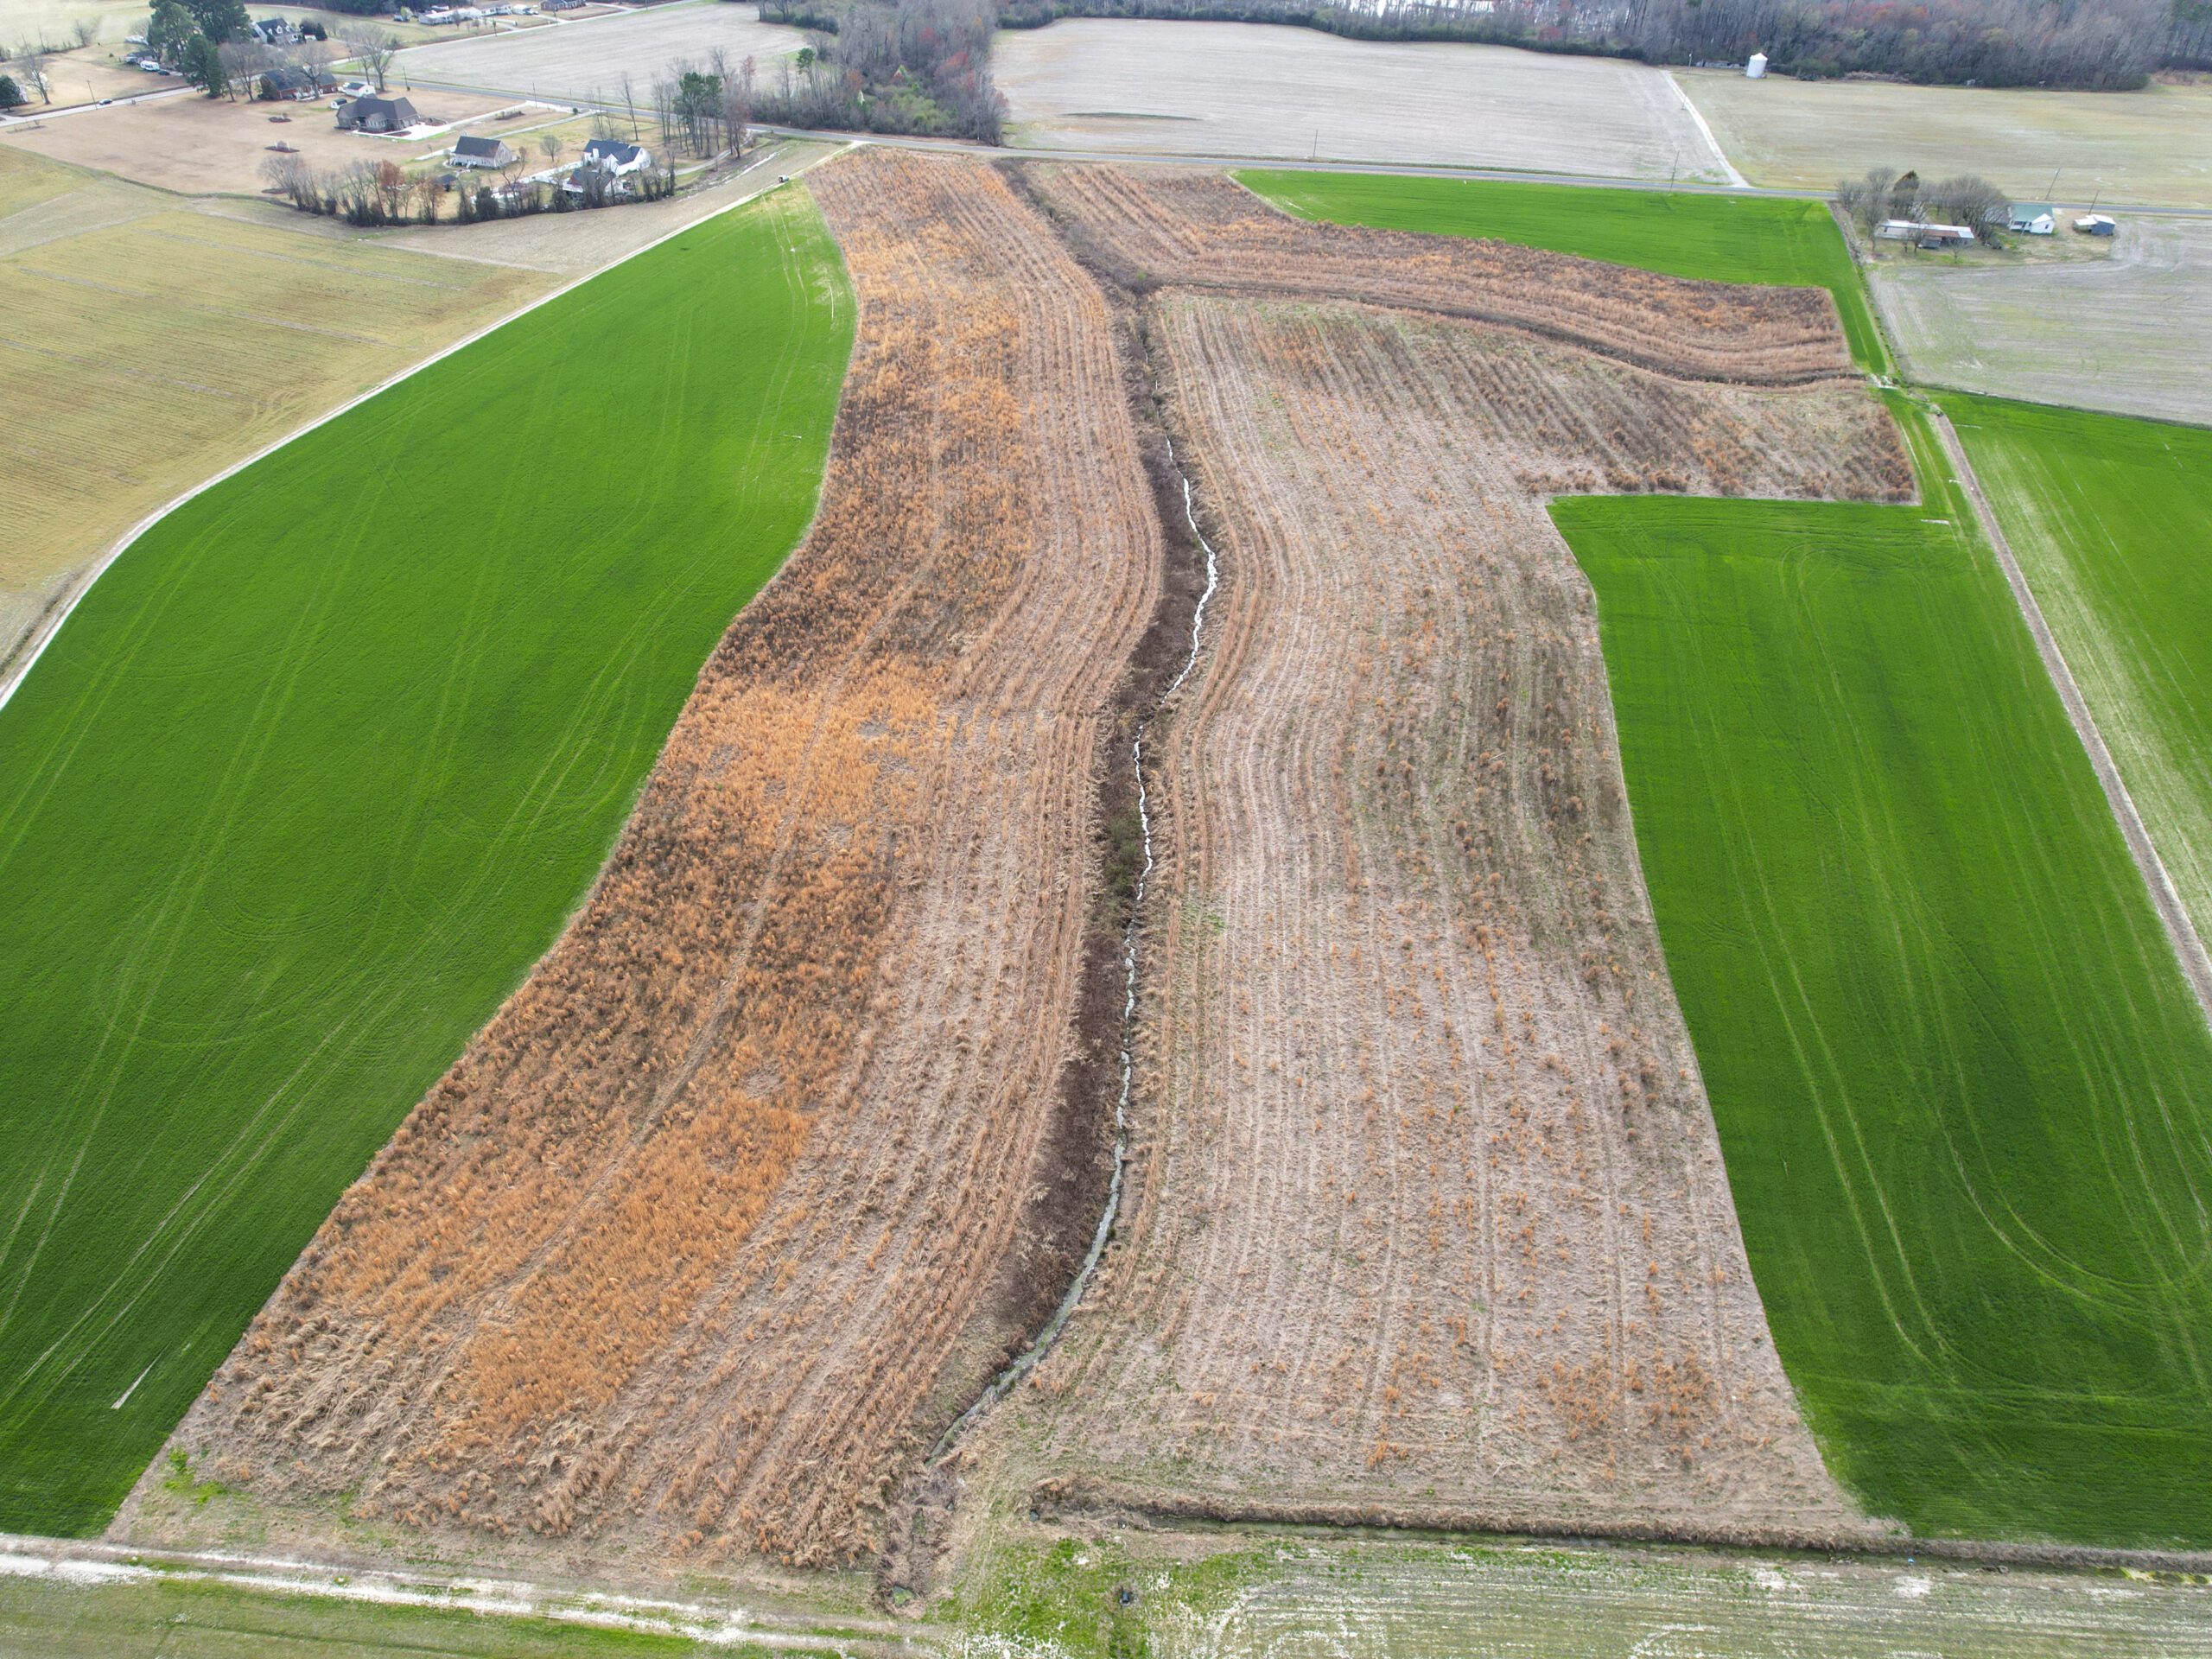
1756 69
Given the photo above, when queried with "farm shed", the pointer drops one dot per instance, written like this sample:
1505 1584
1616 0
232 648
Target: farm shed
377 115
1923 235
2095 224
482 152
2032 218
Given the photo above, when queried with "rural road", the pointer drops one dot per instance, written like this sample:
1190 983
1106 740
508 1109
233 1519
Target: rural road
2190 949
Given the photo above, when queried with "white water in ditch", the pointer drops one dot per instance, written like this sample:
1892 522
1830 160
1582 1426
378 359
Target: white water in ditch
1023 1363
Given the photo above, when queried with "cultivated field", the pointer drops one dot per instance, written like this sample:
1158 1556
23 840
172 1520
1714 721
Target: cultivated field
1264 92
1963 1088
1428 1219
195 145
1199 230
1713 239
2110 521
745 1193
151 342
2131 333
2151 147
585 62
316 770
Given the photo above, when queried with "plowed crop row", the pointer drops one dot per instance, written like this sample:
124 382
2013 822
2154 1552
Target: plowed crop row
1429 1217
745 1192
1203 229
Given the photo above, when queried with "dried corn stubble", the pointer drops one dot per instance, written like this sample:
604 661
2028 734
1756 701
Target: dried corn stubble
1428 1219
1165 226
733 1197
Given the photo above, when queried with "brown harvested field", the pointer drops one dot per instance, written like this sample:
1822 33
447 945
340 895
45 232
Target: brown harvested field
777 1153
1428 1217
1203 229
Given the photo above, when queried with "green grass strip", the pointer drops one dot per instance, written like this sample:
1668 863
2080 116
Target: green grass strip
2111 519
314 774
1712 238
1965 1096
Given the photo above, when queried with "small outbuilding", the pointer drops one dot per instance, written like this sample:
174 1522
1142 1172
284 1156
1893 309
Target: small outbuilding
2095 224
2032 218
1922 234
482 152
375 114
1755 66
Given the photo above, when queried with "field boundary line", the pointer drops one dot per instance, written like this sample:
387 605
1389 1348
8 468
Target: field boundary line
1098 1501
83 1563
33 646
1735 179
2195 966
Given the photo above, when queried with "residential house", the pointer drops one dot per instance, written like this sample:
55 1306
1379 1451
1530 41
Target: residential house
2032 218
614 157
482 152
301 83
377 115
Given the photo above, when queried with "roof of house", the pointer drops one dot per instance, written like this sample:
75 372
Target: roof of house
397 110
2031 209
486 147
612 149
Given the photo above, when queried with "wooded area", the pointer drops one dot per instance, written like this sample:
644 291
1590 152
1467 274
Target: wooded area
2101 45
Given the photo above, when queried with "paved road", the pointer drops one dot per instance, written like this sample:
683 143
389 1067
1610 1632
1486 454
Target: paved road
61 110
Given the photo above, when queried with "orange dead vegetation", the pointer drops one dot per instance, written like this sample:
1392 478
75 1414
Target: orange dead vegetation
1427 1218
1158 226
745 1192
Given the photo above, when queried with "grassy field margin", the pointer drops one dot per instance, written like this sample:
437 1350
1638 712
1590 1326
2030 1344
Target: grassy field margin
316 772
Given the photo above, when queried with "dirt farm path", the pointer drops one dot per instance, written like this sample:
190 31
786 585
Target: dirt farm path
2195 964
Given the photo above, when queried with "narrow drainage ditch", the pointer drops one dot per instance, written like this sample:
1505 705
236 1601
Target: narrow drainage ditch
1026 1361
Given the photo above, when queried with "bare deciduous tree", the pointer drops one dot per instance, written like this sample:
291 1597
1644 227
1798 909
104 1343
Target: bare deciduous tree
373 49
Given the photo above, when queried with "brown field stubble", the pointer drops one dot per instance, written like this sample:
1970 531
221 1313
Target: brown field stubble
1164 226
748 1188
1428 1221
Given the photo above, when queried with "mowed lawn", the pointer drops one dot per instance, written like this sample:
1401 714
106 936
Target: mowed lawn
1965 1097
1711 238
2111 518
314 774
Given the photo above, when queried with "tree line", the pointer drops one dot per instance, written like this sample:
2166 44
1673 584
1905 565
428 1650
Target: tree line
2100 45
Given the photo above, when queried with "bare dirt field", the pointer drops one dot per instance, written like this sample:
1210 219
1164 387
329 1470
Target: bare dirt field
150 341
748 1189
1428 1219
1261 91
2151 147
2131 333
196 145
585 61
1196 229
